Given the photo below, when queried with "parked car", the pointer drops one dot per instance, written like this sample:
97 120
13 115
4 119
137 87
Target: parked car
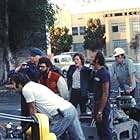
62 60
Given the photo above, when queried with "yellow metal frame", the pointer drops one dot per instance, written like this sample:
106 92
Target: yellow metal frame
41 129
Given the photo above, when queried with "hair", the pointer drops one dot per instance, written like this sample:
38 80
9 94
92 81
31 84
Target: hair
19 78
99 58
46 61
80 56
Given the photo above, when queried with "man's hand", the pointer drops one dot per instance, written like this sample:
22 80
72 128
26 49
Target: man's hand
129 90
99 117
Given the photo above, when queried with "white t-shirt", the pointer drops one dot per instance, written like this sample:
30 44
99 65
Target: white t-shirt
45 100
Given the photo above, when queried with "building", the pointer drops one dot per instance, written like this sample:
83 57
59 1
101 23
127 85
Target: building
120 27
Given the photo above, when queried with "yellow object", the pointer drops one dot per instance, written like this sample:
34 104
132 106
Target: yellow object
43 122
29 132
40 130
51 136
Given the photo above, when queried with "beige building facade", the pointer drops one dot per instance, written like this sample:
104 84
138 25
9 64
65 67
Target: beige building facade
120 27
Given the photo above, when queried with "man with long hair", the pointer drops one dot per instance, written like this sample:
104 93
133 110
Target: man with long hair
39 98
101 90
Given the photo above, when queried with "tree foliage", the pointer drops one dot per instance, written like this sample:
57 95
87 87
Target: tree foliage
61 41
94 35
27 22
134 44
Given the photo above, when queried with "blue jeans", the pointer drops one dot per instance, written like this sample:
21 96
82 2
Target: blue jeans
70 122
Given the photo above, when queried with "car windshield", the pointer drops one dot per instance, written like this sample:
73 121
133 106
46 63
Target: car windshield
66 59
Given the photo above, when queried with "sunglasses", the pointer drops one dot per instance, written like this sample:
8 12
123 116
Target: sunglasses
117 56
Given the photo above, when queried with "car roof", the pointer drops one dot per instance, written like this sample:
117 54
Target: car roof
61 56
69 53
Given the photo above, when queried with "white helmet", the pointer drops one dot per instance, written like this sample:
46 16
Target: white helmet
118 51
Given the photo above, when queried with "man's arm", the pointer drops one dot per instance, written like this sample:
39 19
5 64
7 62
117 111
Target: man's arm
131 70
105 89
103 101
63 88
131 79
32 108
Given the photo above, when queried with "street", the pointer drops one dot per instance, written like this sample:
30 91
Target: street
9 103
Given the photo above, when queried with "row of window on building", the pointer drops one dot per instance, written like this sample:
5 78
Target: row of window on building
116 27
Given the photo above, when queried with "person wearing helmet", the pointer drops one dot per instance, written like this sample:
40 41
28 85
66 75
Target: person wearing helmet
124 71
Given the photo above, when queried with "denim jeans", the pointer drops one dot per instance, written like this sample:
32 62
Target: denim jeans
70 122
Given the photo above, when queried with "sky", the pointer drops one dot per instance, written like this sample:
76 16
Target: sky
79 6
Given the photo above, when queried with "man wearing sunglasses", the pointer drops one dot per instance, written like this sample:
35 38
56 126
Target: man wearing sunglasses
124 71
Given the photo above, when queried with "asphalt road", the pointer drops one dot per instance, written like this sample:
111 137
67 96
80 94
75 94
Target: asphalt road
9 103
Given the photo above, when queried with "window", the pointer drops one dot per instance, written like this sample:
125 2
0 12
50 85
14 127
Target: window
118 14
74 30
66 59
120 43
118 27
136 26
56 60
82 30
115 28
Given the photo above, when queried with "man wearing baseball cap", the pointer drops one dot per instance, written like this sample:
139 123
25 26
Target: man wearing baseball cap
35 51
31 68
124 71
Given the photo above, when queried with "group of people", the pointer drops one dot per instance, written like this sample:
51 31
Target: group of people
40 84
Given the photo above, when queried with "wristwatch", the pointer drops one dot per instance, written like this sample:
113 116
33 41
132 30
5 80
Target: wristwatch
100 113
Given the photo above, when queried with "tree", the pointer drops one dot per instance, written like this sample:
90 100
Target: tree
135 44
22 25
3 41
61 41
27 22
94 35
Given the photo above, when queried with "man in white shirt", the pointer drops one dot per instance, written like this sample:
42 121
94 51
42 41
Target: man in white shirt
124 71
39 98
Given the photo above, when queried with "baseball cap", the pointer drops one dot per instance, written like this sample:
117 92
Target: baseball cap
35 51
118 51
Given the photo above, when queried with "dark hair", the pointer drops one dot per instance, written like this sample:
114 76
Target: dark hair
99 58
80 56
46 61
19 78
